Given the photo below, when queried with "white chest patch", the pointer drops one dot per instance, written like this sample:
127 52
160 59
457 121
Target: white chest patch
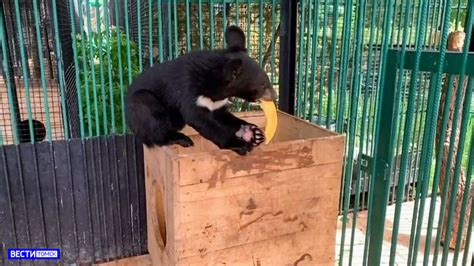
210 104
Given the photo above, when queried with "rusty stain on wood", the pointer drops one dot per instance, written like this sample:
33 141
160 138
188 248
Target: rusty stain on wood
290 219
303 258
260 217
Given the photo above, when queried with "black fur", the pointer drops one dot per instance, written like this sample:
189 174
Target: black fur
39 131
162 99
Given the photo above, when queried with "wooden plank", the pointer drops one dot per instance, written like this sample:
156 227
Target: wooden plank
253 208
301 249
289 129
154 184
259 183
217 166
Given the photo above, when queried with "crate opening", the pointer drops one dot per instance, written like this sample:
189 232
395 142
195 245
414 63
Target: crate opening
160 222
289 129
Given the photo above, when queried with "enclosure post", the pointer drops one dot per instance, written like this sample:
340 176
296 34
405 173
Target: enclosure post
471 43
287 56
382 162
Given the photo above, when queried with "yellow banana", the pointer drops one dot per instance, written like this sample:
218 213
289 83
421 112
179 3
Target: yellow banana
269 109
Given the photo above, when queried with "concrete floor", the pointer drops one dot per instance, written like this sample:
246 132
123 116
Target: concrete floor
403 238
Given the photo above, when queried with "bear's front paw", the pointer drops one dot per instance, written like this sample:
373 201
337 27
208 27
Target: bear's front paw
251 134
239 146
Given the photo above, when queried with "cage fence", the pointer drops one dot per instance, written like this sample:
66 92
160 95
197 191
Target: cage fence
341 64
342 48
102 46
25 99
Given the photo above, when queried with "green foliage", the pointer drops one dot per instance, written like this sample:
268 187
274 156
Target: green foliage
101 94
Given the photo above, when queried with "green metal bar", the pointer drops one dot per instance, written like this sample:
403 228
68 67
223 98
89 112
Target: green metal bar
364 129
469 230
201 32
399 134
426 172
305 87
447 178
399 26
371 124
129 58
432 125
408 127
6 70
227 1
442 10
224 20
431 42
24 66
188 27
323 62
212 24
399 92
175 20
383 163
150 31
314 58
465 199
160 32
392 34
382 147
109 67
459 154
272 49
85 73
300 56
356 85
139 26
42 70
90 39
119 50
102 78
419 187
430 62
59 58
462 137
129 63
435 16
170 34
248 10
335 17
374 103
371 128
458 15
344 59
237 12
420 183
412 20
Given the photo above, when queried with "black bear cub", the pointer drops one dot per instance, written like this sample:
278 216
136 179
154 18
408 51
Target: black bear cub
194 89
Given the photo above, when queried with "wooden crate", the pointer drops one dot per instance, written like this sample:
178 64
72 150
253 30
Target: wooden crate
277 205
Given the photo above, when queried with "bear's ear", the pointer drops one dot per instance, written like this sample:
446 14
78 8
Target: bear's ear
232 69
235 39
